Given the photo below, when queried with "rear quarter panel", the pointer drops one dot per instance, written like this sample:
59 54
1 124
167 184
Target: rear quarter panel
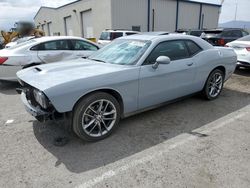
208 60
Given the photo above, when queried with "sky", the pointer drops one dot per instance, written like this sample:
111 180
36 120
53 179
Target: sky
14 10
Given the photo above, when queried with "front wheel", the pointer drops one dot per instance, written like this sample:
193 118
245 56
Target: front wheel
214 85
96 116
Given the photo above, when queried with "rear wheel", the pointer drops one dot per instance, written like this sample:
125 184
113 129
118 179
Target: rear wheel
96 116
214 85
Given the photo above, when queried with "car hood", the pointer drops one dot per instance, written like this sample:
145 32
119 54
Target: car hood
47 76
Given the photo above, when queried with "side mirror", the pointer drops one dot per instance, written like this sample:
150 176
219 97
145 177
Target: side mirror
161 60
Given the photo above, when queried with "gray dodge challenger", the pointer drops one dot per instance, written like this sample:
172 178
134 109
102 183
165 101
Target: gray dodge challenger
128 76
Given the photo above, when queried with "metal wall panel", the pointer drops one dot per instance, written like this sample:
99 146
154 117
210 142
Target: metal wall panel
163 15
189 14
128 13
211 16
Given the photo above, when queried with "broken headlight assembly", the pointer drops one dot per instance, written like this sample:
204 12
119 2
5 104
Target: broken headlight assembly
41 99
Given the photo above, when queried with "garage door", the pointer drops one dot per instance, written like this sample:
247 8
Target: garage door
68 26
87 27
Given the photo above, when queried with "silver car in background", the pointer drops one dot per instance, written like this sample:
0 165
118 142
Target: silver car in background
40 51
130 75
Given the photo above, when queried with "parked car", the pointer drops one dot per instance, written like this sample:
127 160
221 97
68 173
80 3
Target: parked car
128 76
42 50
196 33
193 32
109 35
242 49
219 37
18 41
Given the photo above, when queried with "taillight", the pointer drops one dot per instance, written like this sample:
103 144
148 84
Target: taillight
248 49
3 59
221 42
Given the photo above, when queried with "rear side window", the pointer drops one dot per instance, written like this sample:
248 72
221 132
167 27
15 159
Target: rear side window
54 45
82 45
173 49
232 33
193 48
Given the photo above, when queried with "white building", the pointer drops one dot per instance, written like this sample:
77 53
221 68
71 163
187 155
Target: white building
88 18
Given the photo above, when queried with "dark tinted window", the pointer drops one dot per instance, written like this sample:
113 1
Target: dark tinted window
55 45
130 33
115 35
196 33
193 47
82 45
173 49
232 33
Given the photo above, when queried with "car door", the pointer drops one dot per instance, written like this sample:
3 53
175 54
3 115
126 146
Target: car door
53 51
83 48
167 82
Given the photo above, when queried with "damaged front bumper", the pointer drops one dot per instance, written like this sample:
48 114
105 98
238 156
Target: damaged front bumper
37 112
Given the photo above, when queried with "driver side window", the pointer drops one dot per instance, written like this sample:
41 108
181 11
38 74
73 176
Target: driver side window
173 49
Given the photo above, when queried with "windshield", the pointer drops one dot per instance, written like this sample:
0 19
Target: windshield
21 44
122 52
246 38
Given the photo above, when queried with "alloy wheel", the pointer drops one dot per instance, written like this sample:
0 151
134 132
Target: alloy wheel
99 118
215 85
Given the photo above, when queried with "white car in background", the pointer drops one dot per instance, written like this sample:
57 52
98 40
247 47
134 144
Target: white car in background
242 49
109 35
40 51
18 41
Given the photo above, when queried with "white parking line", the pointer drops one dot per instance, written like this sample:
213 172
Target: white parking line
165 147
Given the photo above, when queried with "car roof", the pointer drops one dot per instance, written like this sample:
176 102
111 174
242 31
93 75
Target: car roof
49 38
175 36
156 33
156 37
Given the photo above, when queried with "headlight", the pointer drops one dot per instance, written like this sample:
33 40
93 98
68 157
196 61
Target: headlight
41 98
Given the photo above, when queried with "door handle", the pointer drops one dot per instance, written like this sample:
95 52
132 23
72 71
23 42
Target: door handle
190 64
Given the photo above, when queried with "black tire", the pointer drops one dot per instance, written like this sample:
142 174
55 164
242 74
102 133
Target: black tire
206 91
82 107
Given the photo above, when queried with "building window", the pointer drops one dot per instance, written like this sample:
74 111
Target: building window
136 28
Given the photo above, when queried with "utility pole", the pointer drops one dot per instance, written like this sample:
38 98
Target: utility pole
236 10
